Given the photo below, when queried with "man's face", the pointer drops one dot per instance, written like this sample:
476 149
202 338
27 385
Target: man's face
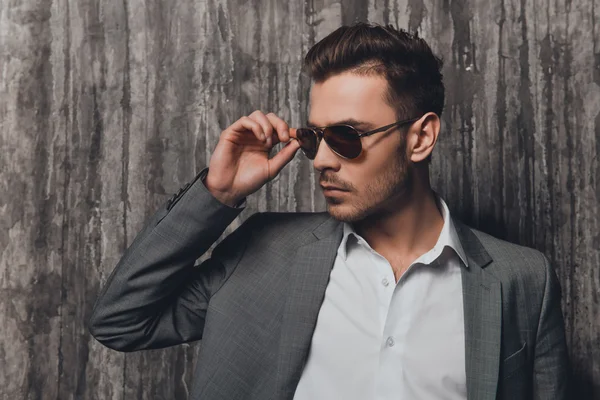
380 178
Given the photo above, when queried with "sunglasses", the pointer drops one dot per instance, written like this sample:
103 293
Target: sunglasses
343 140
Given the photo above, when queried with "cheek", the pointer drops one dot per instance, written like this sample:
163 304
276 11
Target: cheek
382 163
381 149
369 175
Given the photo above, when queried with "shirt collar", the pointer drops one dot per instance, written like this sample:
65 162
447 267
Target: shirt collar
448 237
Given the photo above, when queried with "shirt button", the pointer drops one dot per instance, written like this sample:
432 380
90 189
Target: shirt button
390 341
385 282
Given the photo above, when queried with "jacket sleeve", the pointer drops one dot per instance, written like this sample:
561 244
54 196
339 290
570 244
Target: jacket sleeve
551 370
155 297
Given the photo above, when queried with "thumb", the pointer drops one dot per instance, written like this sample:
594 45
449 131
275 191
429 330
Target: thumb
283 157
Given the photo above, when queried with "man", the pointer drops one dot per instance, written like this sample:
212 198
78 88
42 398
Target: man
384 296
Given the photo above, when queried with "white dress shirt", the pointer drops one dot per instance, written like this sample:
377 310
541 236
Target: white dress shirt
375 339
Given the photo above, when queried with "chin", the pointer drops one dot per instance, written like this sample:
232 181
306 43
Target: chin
344 212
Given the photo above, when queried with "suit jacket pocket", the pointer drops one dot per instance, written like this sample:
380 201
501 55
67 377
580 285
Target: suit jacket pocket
514 362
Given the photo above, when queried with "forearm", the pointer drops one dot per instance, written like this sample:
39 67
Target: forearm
157 266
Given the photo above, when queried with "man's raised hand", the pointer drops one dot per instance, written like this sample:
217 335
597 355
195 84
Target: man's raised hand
240 164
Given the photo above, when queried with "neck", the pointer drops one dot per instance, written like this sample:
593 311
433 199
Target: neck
406 227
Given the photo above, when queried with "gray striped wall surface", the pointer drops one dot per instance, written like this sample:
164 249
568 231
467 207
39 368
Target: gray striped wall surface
108 107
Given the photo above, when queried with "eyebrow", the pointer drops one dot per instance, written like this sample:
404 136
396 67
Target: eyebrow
351 121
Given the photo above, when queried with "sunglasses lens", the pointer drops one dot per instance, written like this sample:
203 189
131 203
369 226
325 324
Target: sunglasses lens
343 140
308 142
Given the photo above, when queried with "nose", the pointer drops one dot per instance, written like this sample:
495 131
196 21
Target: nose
326 158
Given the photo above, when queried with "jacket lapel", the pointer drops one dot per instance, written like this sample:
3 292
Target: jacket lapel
482 299
310 270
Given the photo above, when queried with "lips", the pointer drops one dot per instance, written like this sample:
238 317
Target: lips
333 188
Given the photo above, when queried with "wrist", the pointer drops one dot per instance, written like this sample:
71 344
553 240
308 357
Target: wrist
223 197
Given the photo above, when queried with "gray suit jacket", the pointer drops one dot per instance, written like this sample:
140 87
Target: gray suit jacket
255 302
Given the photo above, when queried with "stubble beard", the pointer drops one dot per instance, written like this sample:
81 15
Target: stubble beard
384 192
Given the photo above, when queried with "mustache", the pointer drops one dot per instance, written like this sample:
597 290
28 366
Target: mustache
331 180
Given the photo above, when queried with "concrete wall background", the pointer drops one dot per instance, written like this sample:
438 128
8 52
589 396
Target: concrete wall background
108 107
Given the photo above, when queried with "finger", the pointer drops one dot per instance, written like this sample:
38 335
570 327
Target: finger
264 122
282 128
282 158
292 132
247 124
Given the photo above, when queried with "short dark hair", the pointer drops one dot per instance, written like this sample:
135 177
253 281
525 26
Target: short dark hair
411 69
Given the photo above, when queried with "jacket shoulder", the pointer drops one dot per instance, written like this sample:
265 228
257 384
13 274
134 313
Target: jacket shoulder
503 249
515 263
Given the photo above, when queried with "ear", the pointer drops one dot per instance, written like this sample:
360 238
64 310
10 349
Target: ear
422 137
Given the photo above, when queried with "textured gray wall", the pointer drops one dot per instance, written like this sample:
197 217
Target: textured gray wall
108 107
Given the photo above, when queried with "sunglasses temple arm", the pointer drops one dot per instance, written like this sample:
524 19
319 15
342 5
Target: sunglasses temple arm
383 128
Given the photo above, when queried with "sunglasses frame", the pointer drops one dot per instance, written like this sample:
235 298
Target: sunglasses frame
319 132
